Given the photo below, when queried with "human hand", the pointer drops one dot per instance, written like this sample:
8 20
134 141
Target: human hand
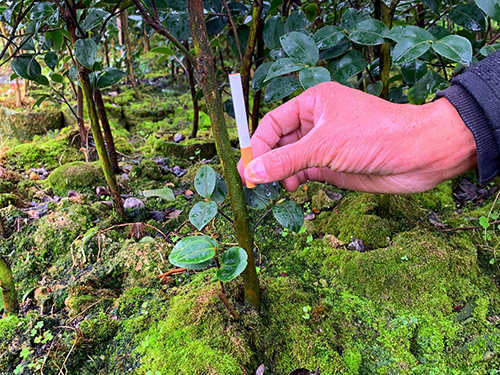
357 141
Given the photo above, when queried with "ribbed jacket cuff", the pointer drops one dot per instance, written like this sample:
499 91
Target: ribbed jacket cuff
488 155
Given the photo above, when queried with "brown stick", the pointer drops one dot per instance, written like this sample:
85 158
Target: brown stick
107 130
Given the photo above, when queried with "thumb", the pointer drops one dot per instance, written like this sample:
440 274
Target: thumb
279 164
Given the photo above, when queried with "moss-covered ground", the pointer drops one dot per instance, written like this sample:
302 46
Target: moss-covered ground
422 298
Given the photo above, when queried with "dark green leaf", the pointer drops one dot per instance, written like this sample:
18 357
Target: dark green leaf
433 5
42 11
413 70
284 66
351 18
375 88
347 66
329 36
238 9
220 192
400 33
281 87
213 6
289 214
177 4
429 84
438 32
396 95
199 95
110 77
56 77
260 197
489 49
40 100
25 66
163 51
192 251
86 52
233 262
273 30
163 193
178 25
296 21
301 47
259 77
43 81
51 60
409 49
277 53
468 16
28 44
369 32
229 108
57 39
455 48
243 32
201 214
215 25
95 18
490 7
310 77
335 51
204 181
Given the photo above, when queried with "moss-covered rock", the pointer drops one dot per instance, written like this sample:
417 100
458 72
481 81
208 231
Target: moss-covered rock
124 146
146 169
78 176
7 199
25 125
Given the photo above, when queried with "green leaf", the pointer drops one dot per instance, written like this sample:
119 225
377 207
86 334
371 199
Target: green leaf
335 51
409 49
310 77
301 47
41 11
238 9
178 25
296 21
201 214
233 263
89 234
468 16
289 215
220 192
51 60
413 70
44 81
215 25
38 102
204 181
400 33
454 47
260 196
94 18
163 193
369 32
280 88
163 51
25 66
259 77
273 30
347 66
243 33
490 7
351 18
213 6
489 49
329 36
86 52
284 66
438 32
433 5
375 88
57 37
429 84
193 252
110 77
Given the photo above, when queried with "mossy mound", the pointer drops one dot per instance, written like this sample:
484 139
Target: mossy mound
146 169
124 146
25 125
80 176
7 199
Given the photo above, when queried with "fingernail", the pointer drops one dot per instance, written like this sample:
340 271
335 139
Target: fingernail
256 171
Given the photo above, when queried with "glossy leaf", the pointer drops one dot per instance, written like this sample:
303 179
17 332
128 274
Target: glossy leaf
42 11
351 18
490 7
260 197
56 77
400 33
193 252
163 51
233 263
289 215
396 95
213 6
215 25
89 234
44 81
86 52
110 77
312 76
201 214
284 66
163 193
57 39
204 181
369 32
178 25
25 66
329 36
296 21
454 47
375 88
489 49
243 33
40 100
301 47
94 18
429 84
433 5
468 16
51 60
259 77
347 66
237 9
277 53
409 49
335 51
413 70
281 87
177 4
438 32
273 30
220 191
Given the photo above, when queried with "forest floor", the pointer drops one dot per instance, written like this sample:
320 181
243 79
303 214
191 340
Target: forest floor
371 285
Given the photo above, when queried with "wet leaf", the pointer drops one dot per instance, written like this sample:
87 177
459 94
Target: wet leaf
400 33
369 32
273 30
233 263
351 18
490 7
409 49
25 66
347 66
178 24
289 215
284 66
259 77
86 52
454 47
429 84
375 88
260 197
301 47
312 76
215 25
413 70
296 21
220 191
94 18
163 193
204 181
335 51
329 36
193 252
468 16
201 214
280 88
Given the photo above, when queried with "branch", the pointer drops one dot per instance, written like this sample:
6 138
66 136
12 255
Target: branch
233 26
14 29
73 17
112 14
468 228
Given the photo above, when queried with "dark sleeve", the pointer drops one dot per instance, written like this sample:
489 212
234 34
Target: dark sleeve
476 96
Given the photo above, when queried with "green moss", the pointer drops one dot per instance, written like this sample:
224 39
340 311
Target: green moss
146 169
99 329
124 146
6 186
80 176
8 199
438 198
25 125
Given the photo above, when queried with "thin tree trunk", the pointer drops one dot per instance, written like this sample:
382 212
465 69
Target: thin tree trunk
206 78
128 48
108 135
257 95
147 46
192 88
106 50
17 87
79 118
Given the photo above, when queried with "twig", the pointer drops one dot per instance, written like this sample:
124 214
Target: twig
228 306
171 272
92 305
467 228
72 347
233 26
225 216
260 219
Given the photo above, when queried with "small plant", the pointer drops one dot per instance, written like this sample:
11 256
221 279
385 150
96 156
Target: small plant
306 310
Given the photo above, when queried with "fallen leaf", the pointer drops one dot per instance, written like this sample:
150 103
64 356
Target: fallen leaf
260 370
